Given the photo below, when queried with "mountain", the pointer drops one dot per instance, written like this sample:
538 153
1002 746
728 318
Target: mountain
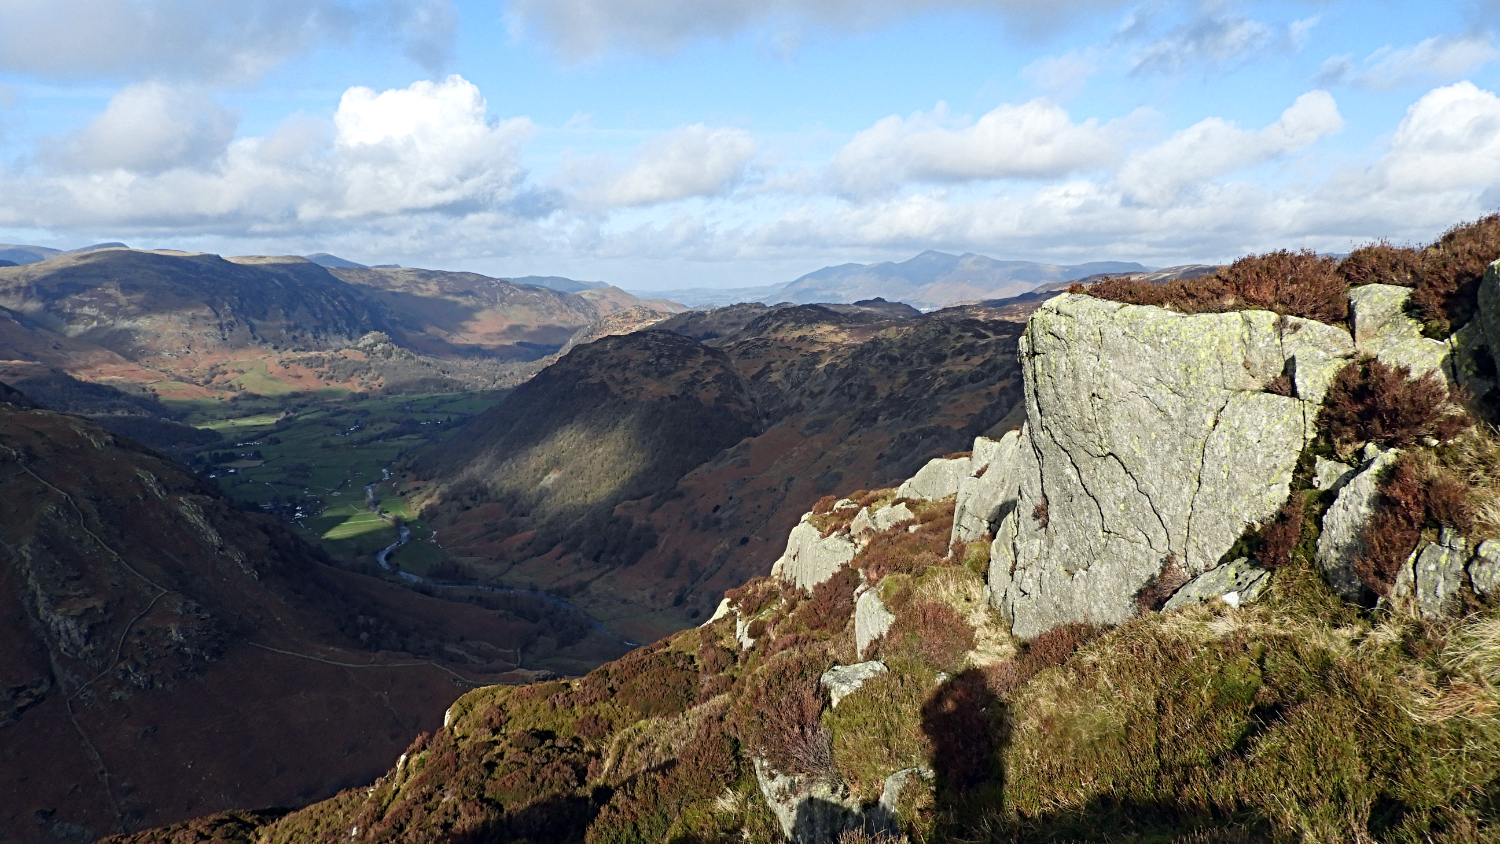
169 655
566 285
18 254
929 281
640 475
323 259
193 325
1232 576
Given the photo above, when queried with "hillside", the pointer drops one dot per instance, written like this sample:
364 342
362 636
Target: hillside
169 655
192 326
641 475
1241 583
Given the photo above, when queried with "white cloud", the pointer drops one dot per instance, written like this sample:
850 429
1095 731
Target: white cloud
1215 147
688 162
581 29
1449 140
1032 140
1433 60
1212 33
428 148
151 127
1063 75
223 40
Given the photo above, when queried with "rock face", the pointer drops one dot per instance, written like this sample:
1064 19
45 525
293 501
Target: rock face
1331 475
868 521
810 557
1339 545
1484 570
1236 583
1382 329
983 494
1150 437
938 479
871 620
1432 577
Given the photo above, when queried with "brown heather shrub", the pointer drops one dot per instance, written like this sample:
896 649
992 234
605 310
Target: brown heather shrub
900 550
592 725
1048 650
777 716
825 504
649 806
1382 263
1039 514
933 632
714 658
646 682
1299 284
1280 536
1159 589
1372 402
1414 495
957 454
831 605
1448 293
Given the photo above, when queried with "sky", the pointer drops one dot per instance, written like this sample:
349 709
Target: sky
661 144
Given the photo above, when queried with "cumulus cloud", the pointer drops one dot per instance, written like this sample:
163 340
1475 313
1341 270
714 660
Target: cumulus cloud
1033 140
1215 147
1433 60
581 29
1449 140
427 148
688 162
225 40
148 128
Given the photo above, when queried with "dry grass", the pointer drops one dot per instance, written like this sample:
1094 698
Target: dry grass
1474 458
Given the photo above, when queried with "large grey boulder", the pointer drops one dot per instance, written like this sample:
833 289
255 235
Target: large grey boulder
810 809
1383 330
869 521
978 509
1484 570
938 479
1432 577
844 680
1339 545
1150 437
811 557
1236 584
871 620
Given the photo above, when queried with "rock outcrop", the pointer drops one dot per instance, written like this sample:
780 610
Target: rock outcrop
938 479
1236 584
982 495
1152 439
1434 574
811 557
844 680
1340 545
871 620
1383 330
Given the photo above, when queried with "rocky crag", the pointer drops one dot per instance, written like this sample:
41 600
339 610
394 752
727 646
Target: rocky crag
1246 594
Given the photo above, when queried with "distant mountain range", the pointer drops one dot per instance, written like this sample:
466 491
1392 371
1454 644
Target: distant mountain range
929 281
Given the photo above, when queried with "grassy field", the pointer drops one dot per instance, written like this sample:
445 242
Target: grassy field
309 458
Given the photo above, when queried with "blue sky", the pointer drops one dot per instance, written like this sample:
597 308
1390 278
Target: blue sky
673 143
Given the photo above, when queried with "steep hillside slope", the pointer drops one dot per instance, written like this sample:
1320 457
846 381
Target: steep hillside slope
193 326
168 655
819 398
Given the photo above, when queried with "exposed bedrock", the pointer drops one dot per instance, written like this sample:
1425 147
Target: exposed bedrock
1153 439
